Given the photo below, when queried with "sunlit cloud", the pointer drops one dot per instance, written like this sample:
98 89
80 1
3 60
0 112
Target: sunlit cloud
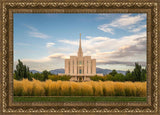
41 60
126 50
56 55
69 42
106 49
126 21
50 62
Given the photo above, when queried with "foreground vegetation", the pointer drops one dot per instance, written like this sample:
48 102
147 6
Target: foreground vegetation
81 99
66 88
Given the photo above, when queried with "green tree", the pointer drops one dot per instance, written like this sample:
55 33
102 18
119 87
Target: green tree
109 77
128 71
38 76
129 77
113 73
119 77
138 73
22 71
143 75
97 78
45 74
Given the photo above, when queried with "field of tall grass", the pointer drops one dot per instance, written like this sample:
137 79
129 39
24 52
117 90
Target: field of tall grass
67 88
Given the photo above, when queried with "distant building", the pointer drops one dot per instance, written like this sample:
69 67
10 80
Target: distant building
80 67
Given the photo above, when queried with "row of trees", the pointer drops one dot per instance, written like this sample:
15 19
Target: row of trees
138 74
22 71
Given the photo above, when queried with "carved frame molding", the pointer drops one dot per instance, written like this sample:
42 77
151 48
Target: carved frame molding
9 7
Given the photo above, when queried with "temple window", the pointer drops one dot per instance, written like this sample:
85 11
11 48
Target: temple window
80 71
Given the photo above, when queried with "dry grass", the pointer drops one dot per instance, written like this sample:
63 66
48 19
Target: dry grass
67 88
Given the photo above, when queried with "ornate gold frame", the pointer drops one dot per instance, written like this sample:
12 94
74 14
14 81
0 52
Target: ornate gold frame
8 7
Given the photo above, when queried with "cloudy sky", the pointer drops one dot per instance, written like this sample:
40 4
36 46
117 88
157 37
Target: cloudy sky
116 41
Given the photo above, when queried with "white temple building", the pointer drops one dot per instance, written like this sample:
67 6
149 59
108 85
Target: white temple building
80 67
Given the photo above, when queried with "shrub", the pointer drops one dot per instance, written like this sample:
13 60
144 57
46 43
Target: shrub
75 89
69 88
18 88
108 88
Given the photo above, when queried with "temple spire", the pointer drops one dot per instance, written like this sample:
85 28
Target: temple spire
80 53
80 41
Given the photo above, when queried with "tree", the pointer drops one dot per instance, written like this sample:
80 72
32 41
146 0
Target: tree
143 75
38 76
45 74
138 73
109 77
22 71
119 77
129 77
128 71
97 78
113 73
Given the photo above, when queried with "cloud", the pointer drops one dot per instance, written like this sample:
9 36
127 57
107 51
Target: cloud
125 21
31 28
69 42
106 28
50 62
38 35
139 28
41 60
125 51
129 63
131 50
56 55
50 44
105 49
35 33
45 59
110 44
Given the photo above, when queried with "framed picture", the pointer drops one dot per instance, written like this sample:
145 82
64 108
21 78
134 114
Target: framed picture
79 57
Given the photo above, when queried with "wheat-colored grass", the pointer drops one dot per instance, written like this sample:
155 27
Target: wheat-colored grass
68 88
